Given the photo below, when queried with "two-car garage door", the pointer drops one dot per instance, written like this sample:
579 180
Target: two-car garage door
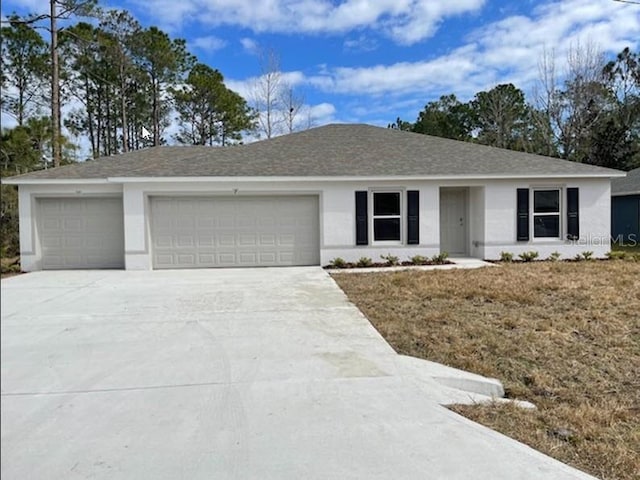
205 232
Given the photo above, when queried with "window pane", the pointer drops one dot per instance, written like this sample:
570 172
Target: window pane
546 201
386 203
386 229
546 226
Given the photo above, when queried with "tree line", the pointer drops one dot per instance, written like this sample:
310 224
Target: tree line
126 83
124 79
592 115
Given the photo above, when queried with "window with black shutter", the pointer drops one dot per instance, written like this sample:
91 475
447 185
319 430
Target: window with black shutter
523 214
413 217
573 216
362 227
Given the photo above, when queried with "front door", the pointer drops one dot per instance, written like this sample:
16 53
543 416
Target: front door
453 221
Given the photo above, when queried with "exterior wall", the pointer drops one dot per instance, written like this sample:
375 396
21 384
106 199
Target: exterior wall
137 255
30 254
338 219
491 215
595 220
625 219
477 221
337 216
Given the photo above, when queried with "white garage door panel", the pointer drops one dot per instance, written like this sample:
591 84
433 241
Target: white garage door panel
81 233
236 231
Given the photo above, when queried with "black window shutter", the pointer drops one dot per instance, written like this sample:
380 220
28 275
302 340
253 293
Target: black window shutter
523 215
573 219
362 237
413 217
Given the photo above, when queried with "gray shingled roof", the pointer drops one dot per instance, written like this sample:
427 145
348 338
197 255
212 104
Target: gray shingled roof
328 151
628 185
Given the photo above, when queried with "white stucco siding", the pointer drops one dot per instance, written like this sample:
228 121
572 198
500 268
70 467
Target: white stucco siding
477 221
136 249
500 214
594 218
338 219
491 212
336 215
595 214
429 216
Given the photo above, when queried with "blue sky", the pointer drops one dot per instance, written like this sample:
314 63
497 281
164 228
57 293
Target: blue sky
374 60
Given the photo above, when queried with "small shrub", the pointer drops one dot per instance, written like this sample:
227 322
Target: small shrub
506 257
419 260
391 260
440 259
364 262
14 268
10 265
616 255
587 255
528 256
338 263
554 256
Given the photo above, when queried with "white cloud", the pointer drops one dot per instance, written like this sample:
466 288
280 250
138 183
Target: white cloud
209 43
293 79
246 87
319 114
404 21
361 43
507 50
504 51
241 87
249 45
401 78
423 18
513 47
7 121
169 14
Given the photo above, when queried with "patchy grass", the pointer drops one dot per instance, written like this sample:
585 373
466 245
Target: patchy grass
630 248
563 335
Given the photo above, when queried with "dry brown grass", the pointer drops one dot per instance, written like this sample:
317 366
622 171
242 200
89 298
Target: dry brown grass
565 336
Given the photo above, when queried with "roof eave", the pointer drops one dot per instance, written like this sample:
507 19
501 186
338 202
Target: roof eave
53 181
352 178
341 178
625 194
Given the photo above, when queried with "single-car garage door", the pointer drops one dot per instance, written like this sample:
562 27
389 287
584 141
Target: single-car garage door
81 232
203 232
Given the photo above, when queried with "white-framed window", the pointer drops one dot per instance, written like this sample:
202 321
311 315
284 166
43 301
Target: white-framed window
546 212
386 216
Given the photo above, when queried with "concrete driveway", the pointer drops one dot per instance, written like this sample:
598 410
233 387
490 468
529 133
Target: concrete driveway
225 374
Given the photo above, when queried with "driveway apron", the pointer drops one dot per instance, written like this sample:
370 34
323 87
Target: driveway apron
228 374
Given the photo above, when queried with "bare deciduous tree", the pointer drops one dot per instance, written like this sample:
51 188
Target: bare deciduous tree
292 104
274 98
568 111
266 94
